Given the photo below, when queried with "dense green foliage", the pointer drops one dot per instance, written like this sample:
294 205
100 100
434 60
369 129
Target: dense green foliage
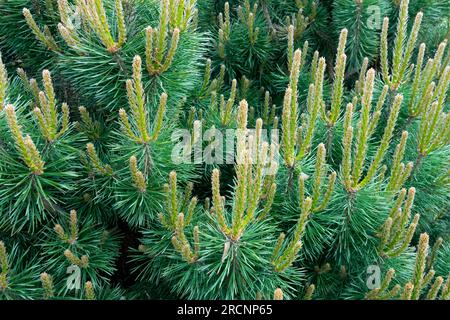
339 170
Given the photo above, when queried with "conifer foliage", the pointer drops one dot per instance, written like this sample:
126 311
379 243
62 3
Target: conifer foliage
292 149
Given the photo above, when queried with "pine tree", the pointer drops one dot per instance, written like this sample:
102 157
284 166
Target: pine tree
119 178
37 151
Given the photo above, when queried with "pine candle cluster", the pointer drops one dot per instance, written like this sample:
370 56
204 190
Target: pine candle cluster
119 179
